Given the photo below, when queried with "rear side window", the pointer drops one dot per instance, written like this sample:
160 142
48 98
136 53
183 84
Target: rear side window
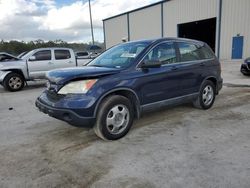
82 53
191 52
62 54
43 55
206 53
188 52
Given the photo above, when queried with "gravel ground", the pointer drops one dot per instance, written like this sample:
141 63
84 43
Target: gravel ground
176 147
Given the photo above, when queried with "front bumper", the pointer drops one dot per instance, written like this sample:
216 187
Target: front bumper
68 115
245 69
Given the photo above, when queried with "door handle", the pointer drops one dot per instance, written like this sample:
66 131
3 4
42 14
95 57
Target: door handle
50 63
70 62
202 64
174 68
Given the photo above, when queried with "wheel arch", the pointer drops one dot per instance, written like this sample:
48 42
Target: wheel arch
7 76
17 71
3 75
212 79
126 92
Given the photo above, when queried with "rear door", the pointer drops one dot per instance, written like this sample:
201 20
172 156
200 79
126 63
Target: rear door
190 66
40 62
180 74
64 58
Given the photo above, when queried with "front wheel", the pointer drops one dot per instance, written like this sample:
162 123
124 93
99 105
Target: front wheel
245 74
206 96
115 117
13 82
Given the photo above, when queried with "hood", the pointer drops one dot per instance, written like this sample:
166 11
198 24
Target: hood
60 76
12 64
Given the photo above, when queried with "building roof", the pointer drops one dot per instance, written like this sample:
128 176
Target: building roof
147 6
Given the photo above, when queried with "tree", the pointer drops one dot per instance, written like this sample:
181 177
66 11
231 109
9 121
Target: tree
16 47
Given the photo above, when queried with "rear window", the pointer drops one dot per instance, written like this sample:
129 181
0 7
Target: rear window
62 54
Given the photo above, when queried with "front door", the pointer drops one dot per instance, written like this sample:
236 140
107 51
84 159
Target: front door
40 62
158 84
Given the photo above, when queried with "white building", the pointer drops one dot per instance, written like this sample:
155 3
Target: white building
223 24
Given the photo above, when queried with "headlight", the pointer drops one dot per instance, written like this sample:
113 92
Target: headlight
247 60
81 86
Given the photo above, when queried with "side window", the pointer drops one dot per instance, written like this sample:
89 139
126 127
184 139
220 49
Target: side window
188 52
165 53
206 53
43 55
62 54
82 53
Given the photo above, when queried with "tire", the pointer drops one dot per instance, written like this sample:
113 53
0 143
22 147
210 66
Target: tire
246 74
114 118
13 82
206 97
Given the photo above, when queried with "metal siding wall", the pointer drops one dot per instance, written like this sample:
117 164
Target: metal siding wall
183 11
115 30
235 20
146 23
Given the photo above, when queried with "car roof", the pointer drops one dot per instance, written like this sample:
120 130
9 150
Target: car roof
169 39
53 48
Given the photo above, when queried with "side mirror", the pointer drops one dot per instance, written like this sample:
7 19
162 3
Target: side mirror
150 64
32 58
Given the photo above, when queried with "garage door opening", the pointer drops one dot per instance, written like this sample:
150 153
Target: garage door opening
204 30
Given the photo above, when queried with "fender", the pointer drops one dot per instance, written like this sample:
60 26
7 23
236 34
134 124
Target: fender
3 74
207 78
138 109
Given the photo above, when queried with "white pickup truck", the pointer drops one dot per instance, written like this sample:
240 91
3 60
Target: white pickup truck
35 64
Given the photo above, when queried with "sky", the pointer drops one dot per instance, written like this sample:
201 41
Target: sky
68 20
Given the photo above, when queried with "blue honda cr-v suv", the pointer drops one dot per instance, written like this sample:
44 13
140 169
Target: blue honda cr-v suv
129 79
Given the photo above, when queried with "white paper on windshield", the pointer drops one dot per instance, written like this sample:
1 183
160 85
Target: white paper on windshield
128 55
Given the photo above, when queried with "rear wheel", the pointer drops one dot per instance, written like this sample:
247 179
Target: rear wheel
114 119
206 96
13 82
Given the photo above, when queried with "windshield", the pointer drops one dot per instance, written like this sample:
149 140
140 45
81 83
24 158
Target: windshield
27 55
22 54
120 56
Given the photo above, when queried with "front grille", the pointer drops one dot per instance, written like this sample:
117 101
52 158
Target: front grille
52 90
54 96
52 86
